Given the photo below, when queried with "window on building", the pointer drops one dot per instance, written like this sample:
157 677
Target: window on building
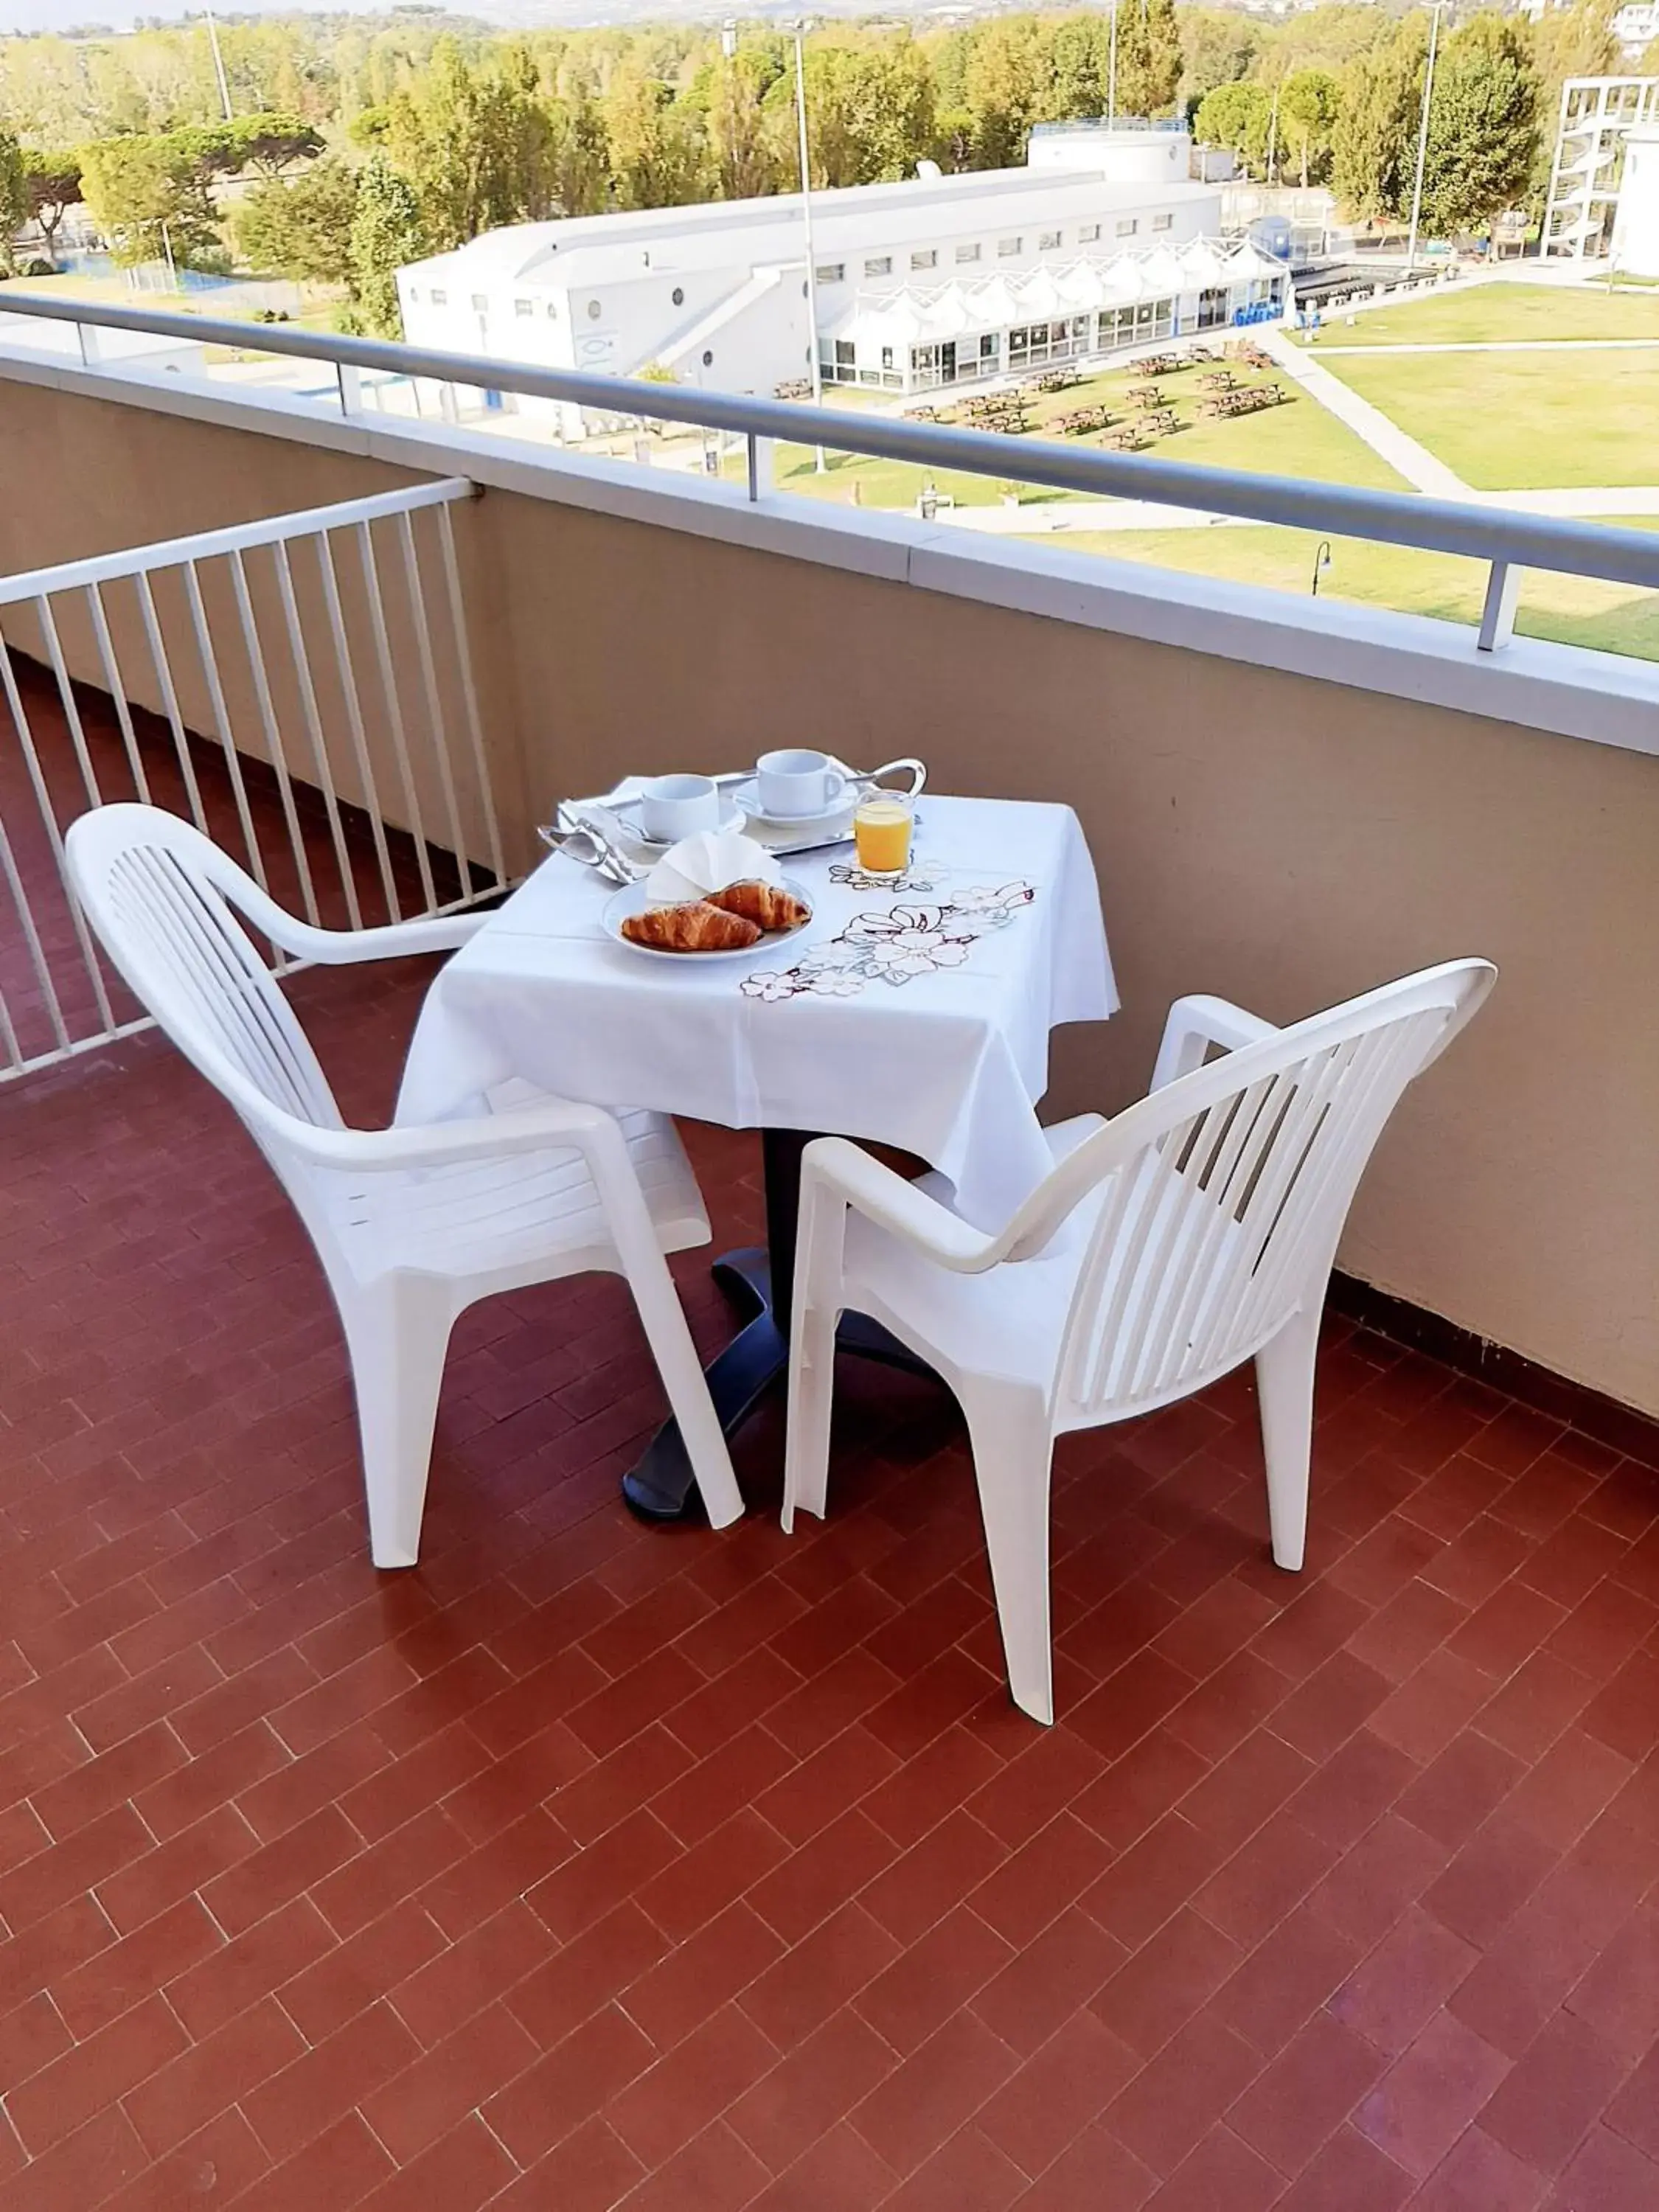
1048 241
708 361
595 311
831 272
441 299
881 265
1127 225
1007 247
480 303
844 353
552 311
1088 233
927 259
524 308
1164 223
968 253
887 356
677 297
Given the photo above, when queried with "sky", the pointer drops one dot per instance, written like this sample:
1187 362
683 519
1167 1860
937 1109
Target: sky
120 15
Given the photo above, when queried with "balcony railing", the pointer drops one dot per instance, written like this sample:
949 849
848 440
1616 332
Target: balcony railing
1506 542
301 688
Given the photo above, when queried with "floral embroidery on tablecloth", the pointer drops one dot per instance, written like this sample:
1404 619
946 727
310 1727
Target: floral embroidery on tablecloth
915 878
895 947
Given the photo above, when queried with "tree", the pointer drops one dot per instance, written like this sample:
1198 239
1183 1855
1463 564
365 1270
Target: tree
13 197
1310 101
301 228
1374 142
744 148
149 197
53 183
1003 84
582 159
268 143
870 109
1080 66
1483 126
658 157
385 236
1236 117
1148 58
478 148
1218 47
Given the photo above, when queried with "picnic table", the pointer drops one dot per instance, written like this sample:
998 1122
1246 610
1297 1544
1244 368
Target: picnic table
1083 419
1144 395
1128 438
1220 379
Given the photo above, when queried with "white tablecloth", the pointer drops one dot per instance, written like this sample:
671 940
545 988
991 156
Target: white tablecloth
915 1015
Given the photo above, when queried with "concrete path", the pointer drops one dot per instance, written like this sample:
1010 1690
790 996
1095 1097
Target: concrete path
1403 454
1500 345
1057 518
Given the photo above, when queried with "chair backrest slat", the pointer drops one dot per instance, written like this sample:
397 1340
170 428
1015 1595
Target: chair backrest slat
163 898
1226 1192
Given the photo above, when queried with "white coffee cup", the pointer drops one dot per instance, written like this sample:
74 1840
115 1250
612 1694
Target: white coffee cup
798 782
675 806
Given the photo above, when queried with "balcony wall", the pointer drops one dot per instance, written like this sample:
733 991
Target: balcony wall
1280 837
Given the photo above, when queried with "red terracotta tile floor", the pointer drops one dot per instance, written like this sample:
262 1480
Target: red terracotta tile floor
589 1865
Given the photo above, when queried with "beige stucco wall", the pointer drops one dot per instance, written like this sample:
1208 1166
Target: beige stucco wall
1282 840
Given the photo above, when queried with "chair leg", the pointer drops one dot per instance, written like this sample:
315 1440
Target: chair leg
811 1396
1012 1439
663 1318
398 1334
1284 1380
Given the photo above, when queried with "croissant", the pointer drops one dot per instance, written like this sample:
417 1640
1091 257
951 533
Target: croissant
763 903
693 927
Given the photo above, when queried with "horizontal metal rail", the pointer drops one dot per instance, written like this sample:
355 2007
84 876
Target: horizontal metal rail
1438 526
240 537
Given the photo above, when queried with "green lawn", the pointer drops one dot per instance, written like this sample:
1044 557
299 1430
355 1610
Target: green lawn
1572 609
1495 311
1522 421
1298 439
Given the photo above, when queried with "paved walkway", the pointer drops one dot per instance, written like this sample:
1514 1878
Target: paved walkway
1505 345
1403 454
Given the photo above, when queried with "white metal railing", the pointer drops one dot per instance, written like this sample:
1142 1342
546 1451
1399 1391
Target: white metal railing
302 687
1507 542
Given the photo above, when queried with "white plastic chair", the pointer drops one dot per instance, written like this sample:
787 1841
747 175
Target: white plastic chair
412 1226
1195 1231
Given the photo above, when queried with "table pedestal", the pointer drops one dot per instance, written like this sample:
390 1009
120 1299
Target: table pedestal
661 1487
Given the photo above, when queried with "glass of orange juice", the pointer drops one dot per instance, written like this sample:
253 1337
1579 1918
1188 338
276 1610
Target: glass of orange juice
881 831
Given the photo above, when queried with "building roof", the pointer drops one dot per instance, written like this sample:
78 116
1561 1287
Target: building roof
915 316
607 249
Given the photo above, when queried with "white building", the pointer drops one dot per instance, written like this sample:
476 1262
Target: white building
1636 224
1100 243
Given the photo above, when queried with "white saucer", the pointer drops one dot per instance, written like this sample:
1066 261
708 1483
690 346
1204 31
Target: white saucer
747 795
627 812
633 898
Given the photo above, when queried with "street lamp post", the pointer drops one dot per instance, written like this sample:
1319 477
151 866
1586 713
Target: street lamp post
1423 133
218 62
800 26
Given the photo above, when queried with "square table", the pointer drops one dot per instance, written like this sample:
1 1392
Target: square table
912 1011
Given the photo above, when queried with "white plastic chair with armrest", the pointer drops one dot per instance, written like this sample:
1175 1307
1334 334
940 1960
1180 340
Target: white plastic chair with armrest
1199 1227
412 1226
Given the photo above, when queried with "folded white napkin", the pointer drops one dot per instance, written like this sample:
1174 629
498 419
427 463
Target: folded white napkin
709 862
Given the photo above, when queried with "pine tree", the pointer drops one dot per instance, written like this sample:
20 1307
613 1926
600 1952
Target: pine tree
301 229
1148 58
1373 142
385 235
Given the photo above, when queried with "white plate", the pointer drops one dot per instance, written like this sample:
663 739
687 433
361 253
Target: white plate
627 812
748 798
634 899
